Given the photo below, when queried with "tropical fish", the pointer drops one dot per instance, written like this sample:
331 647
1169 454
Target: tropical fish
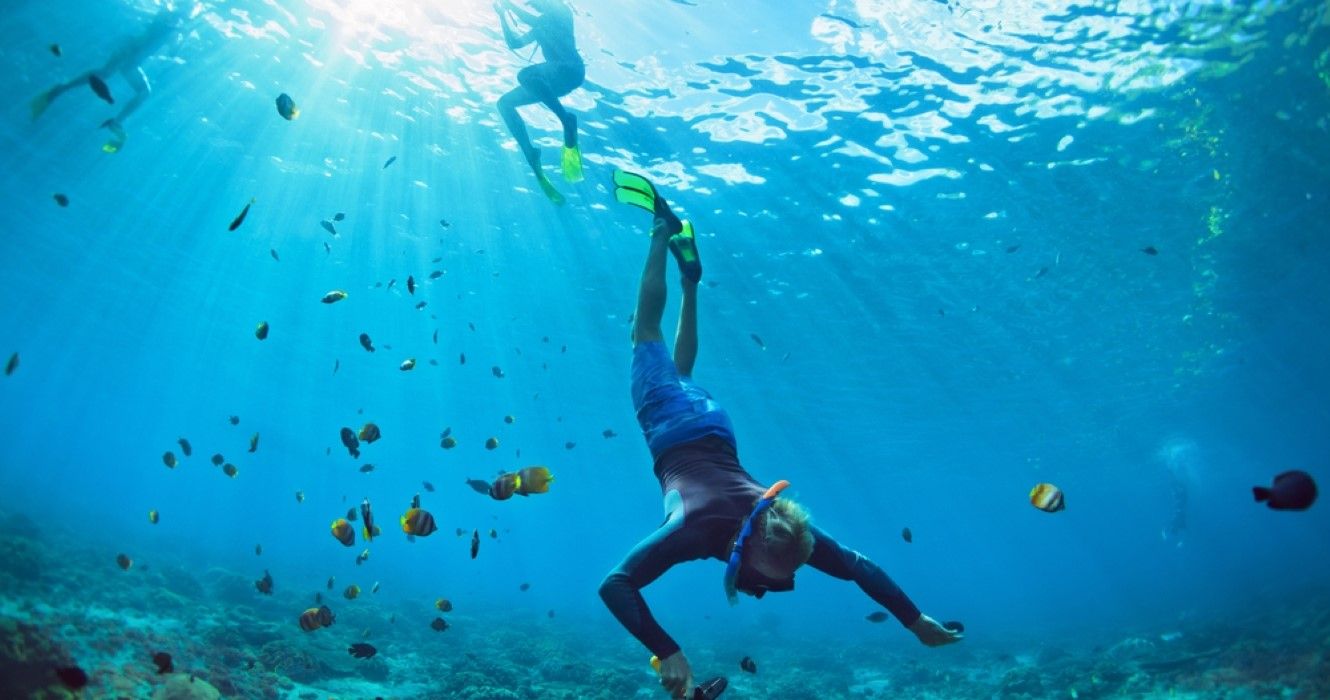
72 677
496 371
258 550
758 339
327 249
261 331
374 588
314 618
230 470
428 486
444 605
418 522
240 218
369 433
475 543
436 336
607 433
410 284
217 460
448 442
333 296
369 529
123 561
421 305
747 664
331 579
169 459
11 365
61 199
436 274
389 162
162 661
366 343
569 445
337 364
351 514
361 650
492 443
444 223
153 517
366 468
352 592
1013 248
235 420
524 587
273 253
509 419
351 443
482 487
461 358
494 534
408 364
343 532
328 226
287 107
1150 250
339 216
264 584
907 535
55 50
362 557
1047 497
878 616
300 496
1292 490
254 442
439 624
99 86
525 482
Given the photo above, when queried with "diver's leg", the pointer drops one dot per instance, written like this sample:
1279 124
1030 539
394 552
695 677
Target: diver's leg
548 82
651 289
44 100
138 80
685 339
508 105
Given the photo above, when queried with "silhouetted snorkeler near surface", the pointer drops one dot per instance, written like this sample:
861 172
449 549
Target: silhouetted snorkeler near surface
126 61
551 28
714 508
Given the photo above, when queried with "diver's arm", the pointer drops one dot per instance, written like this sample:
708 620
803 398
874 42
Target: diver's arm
513 39
832 559
621 589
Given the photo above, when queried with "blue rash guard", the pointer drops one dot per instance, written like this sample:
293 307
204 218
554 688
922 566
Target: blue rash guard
708 494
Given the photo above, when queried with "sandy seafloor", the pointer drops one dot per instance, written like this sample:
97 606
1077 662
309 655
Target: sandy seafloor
66 602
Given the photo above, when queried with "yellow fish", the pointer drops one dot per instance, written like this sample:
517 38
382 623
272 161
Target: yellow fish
343 531
416 521
152 517
352 592
1047 497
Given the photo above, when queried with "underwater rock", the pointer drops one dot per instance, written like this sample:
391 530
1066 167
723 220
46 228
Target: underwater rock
282 658
1022 682
180 582
27 657
1130 648
184 686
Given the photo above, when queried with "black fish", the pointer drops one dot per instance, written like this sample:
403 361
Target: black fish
471 325
55 50
273 253
747 664
569 445
326 248
351 443
878 616
1292 490
475 539
461 358
439 624
240 218
366 343
907 535
337 364
410 284
444 223
366 468
61 199
607 433
437 260
99 86
331 579
436 274
217 460
351 514
389 162
327 226
1013 248
258 548
1150 250
428 486
339 216
758 339
286 107
73 677
185 447
235 420
361 650
11 365
163 662
525 586
497 372
254 442
264 585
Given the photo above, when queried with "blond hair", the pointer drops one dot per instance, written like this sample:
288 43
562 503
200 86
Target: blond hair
786 541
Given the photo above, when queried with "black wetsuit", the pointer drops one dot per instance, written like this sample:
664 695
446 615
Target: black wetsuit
708 495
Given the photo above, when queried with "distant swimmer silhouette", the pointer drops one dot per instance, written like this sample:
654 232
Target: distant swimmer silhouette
127 62
550 25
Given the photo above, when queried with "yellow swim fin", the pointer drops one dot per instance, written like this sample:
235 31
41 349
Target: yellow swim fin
548 188
39 104
572 164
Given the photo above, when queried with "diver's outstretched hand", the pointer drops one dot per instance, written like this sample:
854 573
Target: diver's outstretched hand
932 633
676 675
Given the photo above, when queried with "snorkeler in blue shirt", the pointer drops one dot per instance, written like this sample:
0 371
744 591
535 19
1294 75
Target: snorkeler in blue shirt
714 508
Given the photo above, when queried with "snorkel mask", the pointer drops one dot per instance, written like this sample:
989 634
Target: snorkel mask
736 554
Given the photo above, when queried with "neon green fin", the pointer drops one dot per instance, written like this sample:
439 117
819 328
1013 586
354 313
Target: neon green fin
635 190
684 246
548 188
117 140
572 164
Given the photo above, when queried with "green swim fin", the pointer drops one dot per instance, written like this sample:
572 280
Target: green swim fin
39 104
118 136
572 164
684 246
633 189
548 188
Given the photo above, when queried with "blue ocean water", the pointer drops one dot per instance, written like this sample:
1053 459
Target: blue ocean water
951 249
